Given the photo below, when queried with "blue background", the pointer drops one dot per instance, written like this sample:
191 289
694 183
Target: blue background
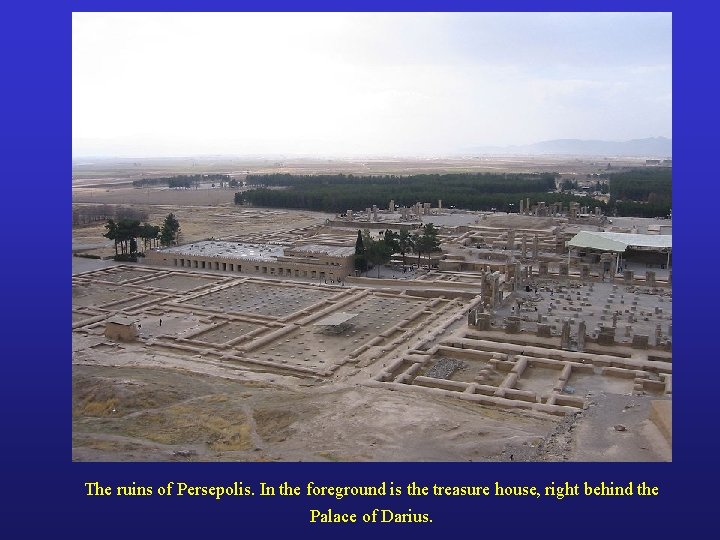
42 490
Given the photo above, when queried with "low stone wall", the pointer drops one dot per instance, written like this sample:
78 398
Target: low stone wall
661 416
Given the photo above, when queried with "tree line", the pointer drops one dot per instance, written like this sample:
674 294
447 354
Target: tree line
337 193
641 192
85 214
125 233
376 253
339 198
185 180
486 182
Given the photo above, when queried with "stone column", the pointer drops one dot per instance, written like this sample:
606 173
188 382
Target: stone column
565 336
439 204
581 336
536 247
650 278
392 206
584 271
510 240
524 246
483 321
640 341
563 269
628 276
521 207
543 268
350 215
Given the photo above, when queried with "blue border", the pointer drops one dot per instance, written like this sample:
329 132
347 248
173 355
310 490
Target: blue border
42 491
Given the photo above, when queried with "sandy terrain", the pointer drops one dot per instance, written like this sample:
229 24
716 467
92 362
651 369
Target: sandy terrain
143 402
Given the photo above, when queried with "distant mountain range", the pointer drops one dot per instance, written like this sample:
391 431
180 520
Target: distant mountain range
660 147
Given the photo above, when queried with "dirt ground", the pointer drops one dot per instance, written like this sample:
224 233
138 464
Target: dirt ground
131 404
159 414
201 222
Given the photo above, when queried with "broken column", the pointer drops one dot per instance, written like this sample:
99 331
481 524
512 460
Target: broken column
391 206
512 325
543 330
628 276
521 207
640 341
349 214
563 269
565 336
482 321
510 240
574 207
581 336
650 278
524 246
606 336
536 247
584 271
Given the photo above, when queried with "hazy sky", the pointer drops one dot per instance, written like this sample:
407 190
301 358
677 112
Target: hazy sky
155 84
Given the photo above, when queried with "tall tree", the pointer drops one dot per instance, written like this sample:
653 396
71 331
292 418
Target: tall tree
360 258
430 241
127 231
392 239
379 253
169 231
405 243
111 233
418 245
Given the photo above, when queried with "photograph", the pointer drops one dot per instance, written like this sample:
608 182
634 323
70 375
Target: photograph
371 237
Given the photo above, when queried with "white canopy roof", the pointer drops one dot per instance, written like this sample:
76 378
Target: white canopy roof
618 242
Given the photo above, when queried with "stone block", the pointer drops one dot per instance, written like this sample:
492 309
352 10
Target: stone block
640 341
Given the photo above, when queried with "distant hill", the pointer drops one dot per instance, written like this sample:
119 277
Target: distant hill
652 147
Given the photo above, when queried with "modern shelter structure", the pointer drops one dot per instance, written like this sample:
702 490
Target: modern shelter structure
620 243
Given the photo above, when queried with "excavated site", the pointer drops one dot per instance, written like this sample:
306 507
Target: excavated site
544 335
